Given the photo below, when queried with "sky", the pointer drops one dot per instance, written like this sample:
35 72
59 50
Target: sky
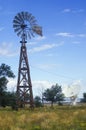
59 56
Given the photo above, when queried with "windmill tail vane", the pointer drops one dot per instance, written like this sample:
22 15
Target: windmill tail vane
37 29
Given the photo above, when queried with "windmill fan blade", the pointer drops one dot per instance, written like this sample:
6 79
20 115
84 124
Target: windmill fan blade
26 15
19 33
16 22
29 16
17 18
29 35
23 15
34 21
17 29
15 25
32 18
32 33
19 15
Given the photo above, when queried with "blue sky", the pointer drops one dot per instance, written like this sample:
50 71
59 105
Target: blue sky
59 56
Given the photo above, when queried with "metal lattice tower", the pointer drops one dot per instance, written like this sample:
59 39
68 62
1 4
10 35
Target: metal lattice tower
25 26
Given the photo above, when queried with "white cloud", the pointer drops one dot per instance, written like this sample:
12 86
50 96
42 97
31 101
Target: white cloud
32 43
40 38
78 11
45 47
6 49
70 35
81 35
37 39
39 86
68 10
41 83
64 34
47 66
12 84
76 42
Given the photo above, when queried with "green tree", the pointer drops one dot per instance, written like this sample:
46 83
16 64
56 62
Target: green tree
54 94
5 73
84 98
37 101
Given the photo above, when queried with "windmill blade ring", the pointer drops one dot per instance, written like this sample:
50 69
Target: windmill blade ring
26 23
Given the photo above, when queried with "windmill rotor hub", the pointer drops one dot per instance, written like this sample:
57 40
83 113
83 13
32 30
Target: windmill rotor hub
23 26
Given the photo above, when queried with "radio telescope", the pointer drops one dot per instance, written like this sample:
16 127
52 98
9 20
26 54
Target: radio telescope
72 92
25 25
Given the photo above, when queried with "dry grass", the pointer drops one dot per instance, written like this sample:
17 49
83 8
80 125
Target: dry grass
57 118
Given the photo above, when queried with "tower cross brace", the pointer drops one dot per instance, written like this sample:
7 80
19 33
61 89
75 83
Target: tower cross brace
24 85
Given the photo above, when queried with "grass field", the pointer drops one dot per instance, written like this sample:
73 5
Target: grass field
46 118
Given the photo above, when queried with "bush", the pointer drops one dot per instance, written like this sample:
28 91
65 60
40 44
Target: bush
37 101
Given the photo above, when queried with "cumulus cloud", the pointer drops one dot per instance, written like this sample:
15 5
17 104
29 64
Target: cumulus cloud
45 47
11 86
39 86
6 49
64 34
40 38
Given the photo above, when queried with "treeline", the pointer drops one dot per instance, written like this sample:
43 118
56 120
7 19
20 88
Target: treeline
52 95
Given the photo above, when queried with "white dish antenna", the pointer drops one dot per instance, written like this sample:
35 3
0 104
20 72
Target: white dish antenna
72 92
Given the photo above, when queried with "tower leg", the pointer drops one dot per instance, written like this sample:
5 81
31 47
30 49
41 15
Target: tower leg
24 86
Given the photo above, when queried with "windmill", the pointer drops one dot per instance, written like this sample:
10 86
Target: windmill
25 25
